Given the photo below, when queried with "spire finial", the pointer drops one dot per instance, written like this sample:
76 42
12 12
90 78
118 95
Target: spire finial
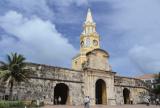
89 16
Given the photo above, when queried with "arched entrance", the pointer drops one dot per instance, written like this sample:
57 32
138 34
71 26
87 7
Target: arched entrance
126 94
100 92
61 90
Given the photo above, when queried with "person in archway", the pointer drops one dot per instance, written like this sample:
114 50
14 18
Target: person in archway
157 101
86 102
55 100
131 100
38 102
59 100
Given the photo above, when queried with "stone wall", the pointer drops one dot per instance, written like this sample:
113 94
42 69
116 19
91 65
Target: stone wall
43 80
98 59
137 88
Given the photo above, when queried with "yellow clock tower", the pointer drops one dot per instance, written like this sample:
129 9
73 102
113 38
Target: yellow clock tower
89 40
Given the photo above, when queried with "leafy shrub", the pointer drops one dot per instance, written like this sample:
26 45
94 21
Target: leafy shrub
19 104
11 104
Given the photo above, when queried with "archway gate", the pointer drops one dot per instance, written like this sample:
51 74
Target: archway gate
100 92
61 92
126 96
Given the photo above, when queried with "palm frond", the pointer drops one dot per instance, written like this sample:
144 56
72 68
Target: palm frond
4 67
10 80
6 76
20 58
3 72
16 67
9 58
3 63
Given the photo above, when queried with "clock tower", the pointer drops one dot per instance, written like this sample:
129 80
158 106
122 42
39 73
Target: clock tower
89 40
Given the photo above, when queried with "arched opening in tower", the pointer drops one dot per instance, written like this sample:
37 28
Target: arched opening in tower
100 92
126 96
61 92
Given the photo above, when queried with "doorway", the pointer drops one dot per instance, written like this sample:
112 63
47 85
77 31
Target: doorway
100 92
126 96
61 91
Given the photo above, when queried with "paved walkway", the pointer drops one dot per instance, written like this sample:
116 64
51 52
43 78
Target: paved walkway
102 106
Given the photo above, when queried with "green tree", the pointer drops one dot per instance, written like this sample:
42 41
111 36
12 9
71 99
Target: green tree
12 71
156 90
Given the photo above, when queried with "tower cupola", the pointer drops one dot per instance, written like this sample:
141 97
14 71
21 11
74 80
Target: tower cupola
89 40
89 37
89 26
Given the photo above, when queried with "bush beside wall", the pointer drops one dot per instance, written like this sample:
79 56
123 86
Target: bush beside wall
11 104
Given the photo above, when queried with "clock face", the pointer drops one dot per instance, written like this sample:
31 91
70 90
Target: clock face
82 44
87 42
95 42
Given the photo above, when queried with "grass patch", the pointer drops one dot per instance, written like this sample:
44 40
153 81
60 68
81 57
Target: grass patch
11 104
19 104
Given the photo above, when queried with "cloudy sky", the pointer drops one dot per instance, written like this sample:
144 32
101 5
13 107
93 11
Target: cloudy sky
48 31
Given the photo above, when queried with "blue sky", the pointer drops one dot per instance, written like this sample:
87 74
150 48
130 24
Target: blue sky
48 31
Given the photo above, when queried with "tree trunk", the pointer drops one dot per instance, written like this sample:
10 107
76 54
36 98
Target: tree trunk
10 91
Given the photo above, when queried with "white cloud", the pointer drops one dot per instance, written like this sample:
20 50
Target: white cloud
71 9
146 58
38 40
31 7
69 2
139 22
52 10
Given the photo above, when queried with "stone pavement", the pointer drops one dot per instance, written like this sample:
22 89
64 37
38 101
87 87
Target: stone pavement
102 106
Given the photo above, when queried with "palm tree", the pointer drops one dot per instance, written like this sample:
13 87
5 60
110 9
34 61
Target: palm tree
13 71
